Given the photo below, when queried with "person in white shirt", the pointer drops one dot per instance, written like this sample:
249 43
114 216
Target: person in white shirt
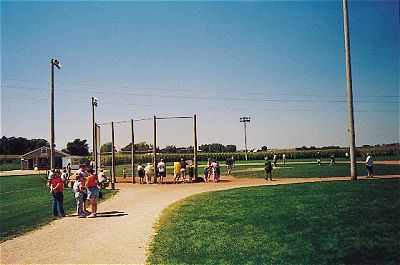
162 171
369 164
147 170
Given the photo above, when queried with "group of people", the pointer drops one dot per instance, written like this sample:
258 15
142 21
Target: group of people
85 187
181 168
212 169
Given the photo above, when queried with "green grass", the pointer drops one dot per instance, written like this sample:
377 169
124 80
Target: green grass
241 164
25 203
352 222
313 170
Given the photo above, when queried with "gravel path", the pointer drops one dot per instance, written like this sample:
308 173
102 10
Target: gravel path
123 229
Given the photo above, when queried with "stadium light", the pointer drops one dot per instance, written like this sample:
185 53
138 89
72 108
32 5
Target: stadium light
245 120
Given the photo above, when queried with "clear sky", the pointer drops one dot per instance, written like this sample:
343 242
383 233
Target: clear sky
280 63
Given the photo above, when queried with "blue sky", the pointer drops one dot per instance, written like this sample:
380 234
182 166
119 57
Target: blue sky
281 63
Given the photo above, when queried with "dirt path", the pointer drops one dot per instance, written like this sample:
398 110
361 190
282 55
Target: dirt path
121 233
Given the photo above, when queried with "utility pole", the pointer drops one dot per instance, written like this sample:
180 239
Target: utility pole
94 104
133 152
350 108
245 120
113 178
57 64
195 146
154 148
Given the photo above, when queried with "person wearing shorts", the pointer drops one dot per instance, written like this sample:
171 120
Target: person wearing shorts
162 171
183 170
92 184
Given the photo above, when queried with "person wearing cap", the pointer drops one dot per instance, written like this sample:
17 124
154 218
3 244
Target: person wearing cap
268 168
162 171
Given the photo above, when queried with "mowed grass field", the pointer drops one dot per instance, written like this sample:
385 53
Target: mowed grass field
25 203
313 170
247 169
344 222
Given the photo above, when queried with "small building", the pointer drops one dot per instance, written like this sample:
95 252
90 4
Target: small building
40 158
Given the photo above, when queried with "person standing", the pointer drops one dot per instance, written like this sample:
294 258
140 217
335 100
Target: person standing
268 168
191 173
92 184
215 170
69 170
333 162
177 170
141 173
347 156
64 177
78 189
275 160
124 172
162 171
284 159
318 158
230 164
56 190
147 171
183 169
369 164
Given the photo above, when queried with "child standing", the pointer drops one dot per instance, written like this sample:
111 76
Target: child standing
78 189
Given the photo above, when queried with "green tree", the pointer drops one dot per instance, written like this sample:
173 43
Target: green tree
230 148
264 148
78 147
106 148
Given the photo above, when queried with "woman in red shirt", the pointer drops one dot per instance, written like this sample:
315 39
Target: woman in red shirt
93 192
56 190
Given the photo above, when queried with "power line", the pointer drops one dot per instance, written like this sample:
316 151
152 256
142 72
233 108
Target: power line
209 98
214 91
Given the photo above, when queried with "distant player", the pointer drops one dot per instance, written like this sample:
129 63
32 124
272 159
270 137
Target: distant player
369 164
230 164
318 158
333 162
268 169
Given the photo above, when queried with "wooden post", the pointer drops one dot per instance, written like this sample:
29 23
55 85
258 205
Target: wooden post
350 109
112 157
195 145
154 148
133 152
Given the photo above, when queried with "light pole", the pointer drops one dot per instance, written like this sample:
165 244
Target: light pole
350 109
57 64
245 120
94 104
